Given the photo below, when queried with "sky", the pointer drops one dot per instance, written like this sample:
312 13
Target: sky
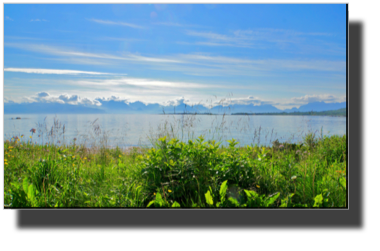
283 55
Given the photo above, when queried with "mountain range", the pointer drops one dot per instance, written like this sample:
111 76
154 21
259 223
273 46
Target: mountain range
120 107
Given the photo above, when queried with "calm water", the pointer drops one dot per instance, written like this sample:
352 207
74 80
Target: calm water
134 130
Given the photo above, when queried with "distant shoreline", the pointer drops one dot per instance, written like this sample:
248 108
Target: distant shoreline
270 114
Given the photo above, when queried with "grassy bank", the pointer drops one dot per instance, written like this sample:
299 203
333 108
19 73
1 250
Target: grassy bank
177 174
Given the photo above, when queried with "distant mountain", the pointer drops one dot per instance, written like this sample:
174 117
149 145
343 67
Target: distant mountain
184 108
49 108
318 107
120 107
244 109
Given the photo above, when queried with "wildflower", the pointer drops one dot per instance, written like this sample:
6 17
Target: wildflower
16 138
75 139
294 177
5 163
84 158
298 151
169 191
10 150
73 156
281 146
22 135
119 156
154 193
73 164
257 186
10 147
33 130
30 136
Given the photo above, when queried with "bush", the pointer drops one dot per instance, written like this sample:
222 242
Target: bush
184 172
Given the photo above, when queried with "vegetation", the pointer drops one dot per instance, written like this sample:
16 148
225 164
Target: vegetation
173 173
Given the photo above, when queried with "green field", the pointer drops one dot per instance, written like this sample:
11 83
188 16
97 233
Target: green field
177 174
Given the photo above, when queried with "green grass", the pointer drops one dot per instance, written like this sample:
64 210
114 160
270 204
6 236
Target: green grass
195 173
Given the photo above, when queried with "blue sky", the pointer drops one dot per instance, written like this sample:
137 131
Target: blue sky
284 55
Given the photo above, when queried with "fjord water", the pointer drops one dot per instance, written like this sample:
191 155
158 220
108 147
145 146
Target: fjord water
136 129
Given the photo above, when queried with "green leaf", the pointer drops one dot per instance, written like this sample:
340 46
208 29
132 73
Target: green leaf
318 200
25 184
159 201
176 204
285 202
272 200
343 182
223 191
251 194
209 198
150 203
31 192
234 201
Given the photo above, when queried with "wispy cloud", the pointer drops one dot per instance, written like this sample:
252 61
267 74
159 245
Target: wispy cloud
116 23
138 82
173 24
121 39
253 38
52 50
38 20
169 24
53 71
191 64
8 18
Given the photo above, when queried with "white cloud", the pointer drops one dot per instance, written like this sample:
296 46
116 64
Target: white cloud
176 101
137 82
116 23
72 53
192 64
45 97
242 101
327 98
251 38
54 71
42 94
